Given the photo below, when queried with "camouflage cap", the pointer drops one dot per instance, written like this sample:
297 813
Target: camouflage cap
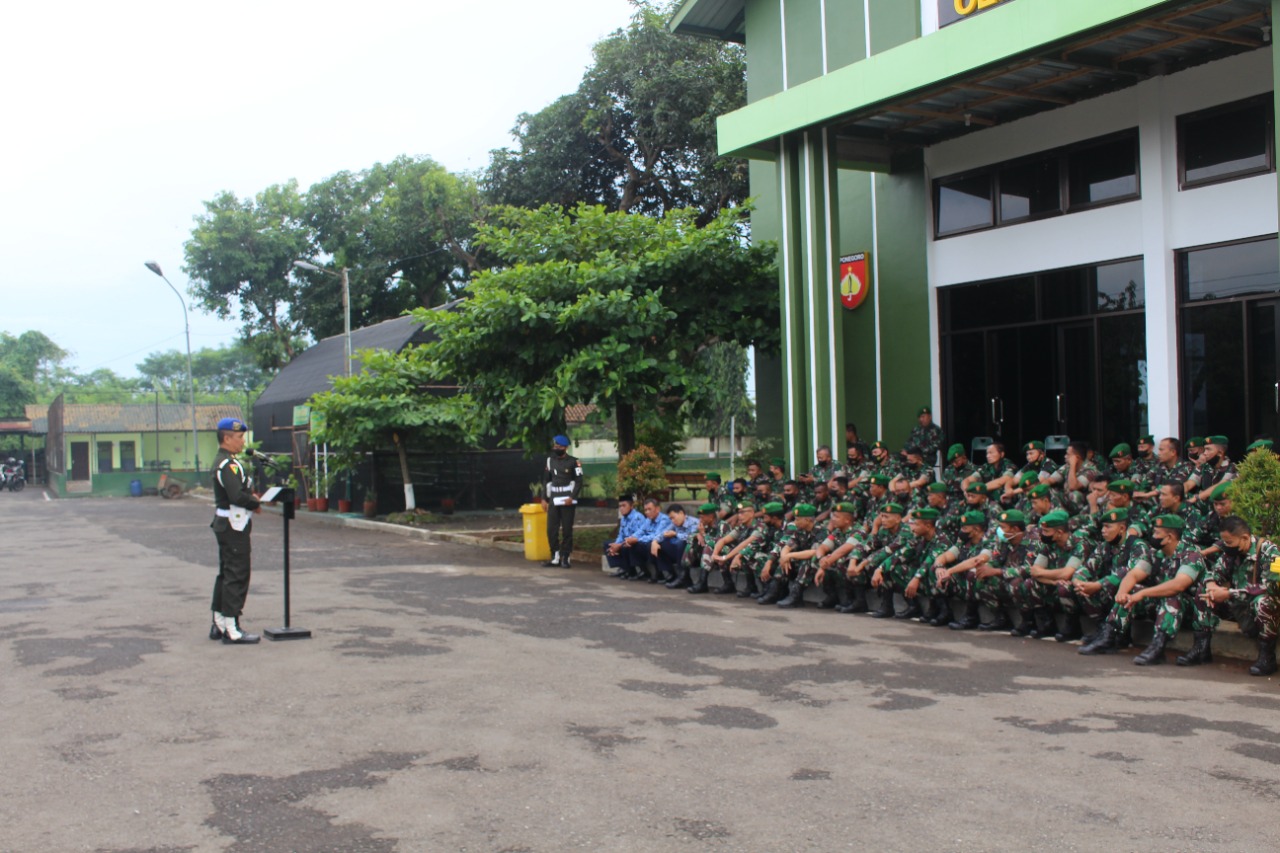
845 507
774 508
1120 451
1033 445
937 486
1117 515
1169 522
707 509
892 509
1056 519
806 510
953 451
1040 491
878 480
1121 487
973 518
1222 492
1014 517
927 513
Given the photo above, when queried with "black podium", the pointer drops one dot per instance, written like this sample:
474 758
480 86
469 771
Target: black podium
287 632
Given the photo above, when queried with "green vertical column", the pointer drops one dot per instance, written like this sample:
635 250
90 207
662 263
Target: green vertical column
1275 72
791 267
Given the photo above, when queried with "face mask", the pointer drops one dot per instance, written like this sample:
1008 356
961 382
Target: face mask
560 451
1000 534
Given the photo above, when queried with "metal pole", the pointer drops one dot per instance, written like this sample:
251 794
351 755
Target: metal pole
346 318
195 438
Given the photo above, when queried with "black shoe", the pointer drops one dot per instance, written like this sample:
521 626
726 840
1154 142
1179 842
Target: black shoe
829 602
970 620
941 612
551 564
565 562
1199 653
1103 644
1153 655
1266 662
795 595
233 636
859 604
699 587
215 633
773 592
1073 631
885 611
999 622
1045 625
621 574
729 585
1026 624
913 610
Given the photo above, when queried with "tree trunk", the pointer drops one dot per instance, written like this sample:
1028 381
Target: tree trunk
409 504
625 414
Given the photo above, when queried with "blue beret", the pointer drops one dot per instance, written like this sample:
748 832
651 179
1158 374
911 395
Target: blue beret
232 425
562 440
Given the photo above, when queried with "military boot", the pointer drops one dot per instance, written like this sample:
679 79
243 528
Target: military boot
795 595
844 599
1071 632
913 610
773 591
681 580
970 620
999 621
885 610
1199 652
752 589
831 597
1153 655
728 583
700 585
1103 644
1124 639
1026 624
859 604
1045 626
1266 662
941 612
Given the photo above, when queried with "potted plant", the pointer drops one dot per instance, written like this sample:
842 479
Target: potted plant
323 482
370 503
446 506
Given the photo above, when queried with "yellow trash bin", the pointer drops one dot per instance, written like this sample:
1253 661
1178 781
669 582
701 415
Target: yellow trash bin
536 546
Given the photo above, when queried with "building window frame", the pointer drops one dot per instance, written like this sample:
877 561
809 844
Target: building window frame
1269 142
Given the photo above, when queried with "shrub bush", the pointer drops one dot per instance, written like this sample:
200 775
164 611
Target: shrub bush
1255 493
641 473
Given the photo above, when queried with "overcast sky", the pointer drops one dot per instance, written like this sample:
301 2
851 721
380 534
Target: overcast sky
120 119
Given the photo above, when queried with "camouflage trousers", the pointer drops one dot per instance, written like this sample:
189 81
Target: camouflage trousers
803 571
1096 605
1257 615
1167 613
963 586
1029 593
996 593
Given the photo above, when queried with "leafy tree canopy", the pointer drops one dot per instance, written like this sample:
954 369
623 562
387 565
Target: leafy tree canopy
24 360
601 307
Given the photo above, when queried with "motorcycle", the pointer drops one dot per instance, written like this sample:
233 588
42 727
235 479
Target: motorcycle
13 475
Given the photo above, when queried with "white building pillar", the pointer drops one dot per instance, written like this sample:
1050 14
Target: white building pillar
1158 157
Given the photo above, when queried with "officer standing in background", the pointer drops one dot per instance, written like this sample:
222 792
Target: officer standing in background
562 484
234 505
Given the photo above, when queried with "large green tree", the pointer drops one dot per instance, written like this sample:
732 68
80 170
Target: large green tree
389 403
639 134
601 307
26 362
221 374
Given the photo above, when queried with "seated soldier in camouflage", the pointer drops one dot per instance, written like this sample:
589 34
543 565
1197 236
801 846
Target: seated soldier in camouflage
842 546
1095 584
926 435
763 494
1169 468
1215 468
1241 587
1164 593
957 469
1047 588
1014 494
793 558
995 472
880 461
1170 502
1038 466
912 570
822 502
949 511
855 466
838 488
955 569
976 500
741 530
911 476
873 503
777 474
790 496
694 563
752 560
1070 480
1009 566
889 538
1041 500
1220 497
822 471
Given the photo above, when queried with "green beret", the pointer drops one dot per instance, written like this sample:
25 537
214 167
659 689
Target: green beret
879 480
1260 444
877 445
1221 492
937 486
1121 487
1014 517
927 513
1112 516
778 462
714 477
1169 522
774 508
1194 442
892 509
1033 445
1057 518
1220 440
973 518
1120 450
977 487
954 450
1146 439
746 505
707 508
923 410
1040 491
806 510
1028 477
846 507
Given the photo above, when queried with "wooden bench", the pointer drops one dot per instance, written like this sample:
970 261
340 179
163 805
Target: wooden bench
691 481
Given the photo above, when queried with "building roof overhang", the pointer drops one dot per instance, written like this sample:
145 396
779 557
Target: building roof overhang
1008 63
718 19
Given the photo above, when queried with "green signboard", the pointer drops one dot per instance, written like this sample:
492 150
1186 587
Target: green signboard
301 416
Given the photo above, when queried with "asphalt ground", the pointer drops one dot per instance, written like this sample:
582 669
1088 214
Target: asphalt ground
456 698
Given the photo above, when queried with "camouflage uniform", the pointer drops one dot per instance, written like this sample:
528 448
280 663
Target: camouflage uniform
1211 474
754 557
1074 501
796 539
953 477
988 472
1254 598
929 439
1166 612
1179 473
1108 565
915 560
1015 561
1060 595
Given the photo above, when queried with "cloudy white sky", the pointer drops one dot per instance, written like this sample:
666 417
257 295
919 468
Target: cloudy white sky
119 119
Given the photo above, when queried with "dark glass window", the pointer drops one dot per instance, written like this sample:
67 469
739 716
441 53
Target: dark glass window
1226 142
1237 269
1064 293
992 303
1105 172
1120 287
104 457
1028 190
964 204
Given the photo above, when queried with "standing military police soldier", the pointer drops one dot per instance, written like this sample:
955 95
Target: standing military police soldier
234 505
563 483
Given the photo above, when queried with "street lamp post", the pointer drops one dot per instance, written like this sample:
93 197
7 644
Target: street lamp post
344 276
191 382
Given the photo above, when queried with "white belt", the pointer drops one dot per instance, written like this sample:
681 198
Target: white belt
222 513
